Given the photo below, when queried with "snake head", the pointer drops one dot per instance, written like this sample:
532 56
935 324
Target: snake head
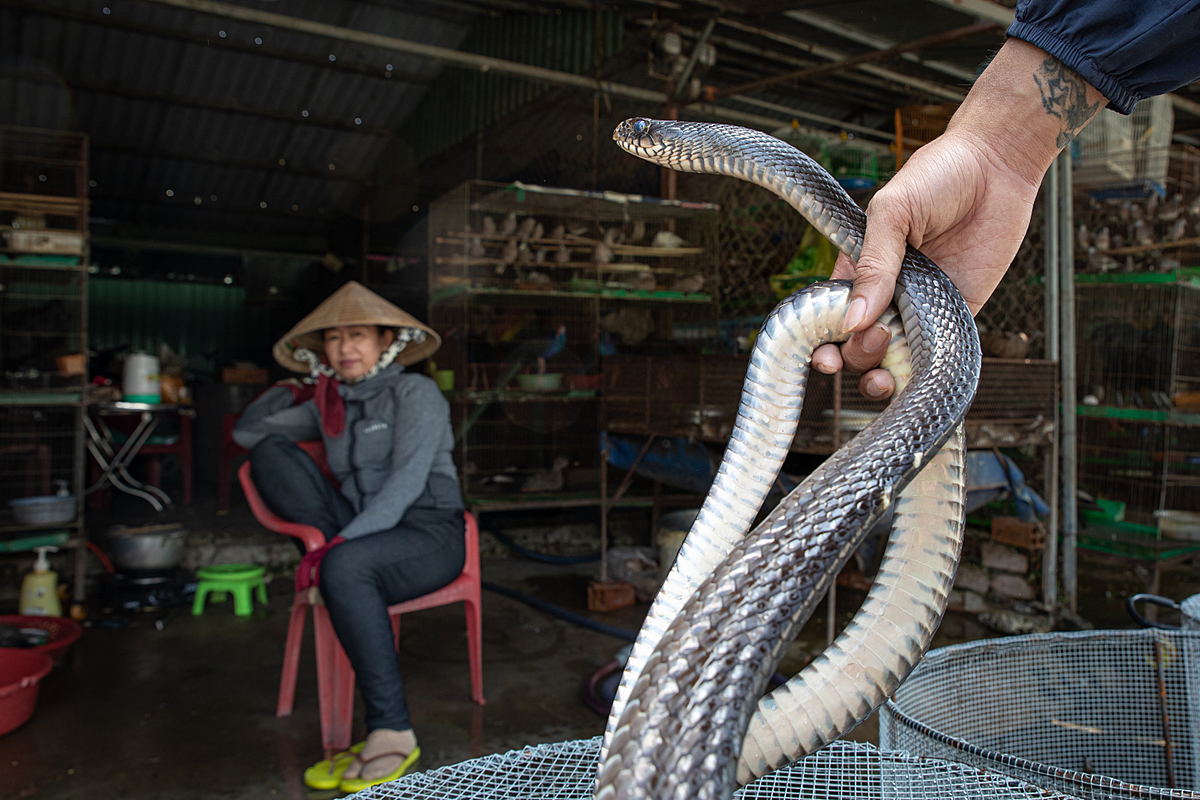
639 135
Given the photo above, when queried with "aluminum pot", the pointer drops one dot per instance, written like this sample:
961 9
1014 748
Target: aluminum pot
154 547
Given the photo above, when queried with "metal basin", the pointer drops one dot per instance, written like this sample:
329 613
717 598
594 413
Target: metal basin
151 547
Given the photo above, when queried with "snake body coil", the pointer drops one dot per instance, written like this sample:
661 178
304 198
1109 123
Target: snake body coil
688 707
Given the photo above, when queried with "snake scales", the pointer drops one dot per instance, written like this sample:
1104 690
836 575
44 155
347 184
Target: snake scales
687 721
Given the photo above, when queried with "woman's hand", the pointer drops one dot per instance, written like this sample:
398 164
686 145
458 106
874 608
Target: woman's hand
308 574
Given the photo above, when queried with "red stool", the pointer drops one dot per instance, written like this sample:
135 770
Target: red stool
229 451
335 676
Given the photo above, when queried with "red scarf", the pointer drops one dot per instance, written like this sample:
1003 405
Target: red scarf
330 406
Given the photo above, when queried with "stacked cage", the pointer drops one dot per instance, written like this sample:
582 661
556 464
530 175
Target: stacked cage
530 288
1138 351
43 293
1126 152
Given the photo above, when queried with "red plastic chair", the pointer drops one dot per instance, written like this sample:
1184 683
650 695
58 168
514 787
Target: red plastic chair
335 676
229 451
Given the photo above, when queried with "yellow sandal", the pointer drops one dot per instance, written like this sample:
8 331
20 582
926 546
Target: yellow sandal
358 784
327 773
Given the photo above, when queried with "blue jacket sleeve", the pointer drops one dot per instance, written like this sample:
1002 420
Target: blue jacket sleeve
1128 49
273 412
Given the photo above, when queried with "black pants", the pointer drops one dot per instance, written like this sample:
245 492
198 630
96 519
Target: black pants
362 577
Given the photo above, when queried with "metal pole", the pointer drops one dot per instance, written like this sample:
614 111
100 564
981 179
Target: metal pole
1050 284
1067 359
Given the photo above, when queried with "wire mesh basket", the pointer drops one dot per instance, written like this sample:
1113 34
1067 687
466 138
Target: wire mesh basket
1097 714
846 770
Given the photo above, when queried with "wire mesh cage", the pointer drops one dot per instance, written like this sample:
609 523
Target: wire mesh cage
1117 149
1096 714
38 454
518 237
844 770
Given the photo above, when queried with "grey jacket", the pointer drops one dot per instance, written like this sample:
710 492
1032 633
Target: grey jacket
395 453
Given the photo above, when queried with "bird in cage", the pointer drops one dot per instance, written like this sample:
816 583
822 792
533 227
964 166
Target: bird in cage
510 224
525 229
601 254
645 281
539 230
562 255
550 480
1178 230
559 233
690 284
489 224
510 253
1103 240
476 249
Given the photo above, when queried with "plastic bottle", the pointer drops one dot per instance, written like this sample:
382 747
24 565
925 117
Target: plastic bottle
39 590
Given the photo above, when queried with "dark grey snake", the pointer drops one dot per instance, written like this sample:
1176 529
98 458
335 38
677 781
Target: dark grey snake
688 721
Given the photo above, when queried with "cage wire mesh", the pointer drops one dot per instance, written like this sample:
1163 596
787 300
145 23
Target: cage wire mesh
1096 714
843 770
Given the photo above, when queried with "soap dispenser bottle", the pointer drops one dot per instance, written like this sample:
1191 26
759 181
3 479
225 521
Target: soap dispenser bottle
39 590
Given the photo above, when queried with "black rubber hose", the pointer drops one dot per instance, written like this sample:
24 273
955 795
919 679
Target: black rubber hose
557 611
548 559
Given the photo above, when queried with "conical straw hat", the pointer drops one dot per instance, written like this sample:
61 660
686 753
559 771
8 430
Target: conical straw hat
353 304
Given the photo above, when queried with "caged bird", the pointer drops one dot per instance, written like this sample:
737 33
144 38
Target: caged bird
510 224
540 280
668 239
645 281
690 284
1103 241
525 229
539 257
613 236
539 231
511 251
1082 237
562 255
1178 230
476 249
559 233
489 225
550 480
1171 209
601 254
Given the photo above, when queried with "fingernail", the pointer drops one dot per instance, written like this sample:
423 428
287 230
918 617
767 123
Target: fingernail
875 338
855 314
823 367
875 388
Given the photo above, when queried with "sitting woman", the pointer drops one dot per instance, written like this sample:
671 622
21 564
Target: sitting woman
394 531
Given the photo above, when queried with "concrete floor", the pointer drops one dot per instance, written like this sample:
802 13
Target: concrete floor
188 713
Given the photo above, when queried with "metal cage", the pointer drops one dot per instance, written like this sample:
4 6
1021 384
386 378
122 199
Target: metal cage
842 771
1096 715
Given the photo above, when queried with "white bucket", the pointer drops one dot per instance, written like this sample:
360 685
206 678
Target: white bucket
141 384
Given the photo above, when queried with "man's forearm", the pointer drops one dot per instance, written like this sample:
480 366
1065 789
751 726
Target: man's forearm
1026 107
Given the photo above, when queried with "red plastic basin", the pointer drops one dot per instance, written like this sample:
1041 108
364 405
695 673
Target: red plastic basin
20 673
63 632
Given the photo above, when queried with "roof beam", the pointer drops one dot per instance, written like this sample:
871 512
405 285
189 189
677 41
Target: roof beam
821 51
878 42
315 61
937 39
983 9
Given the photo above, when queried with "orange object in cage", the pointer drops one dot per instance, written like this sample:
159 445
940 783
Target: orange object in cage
920 125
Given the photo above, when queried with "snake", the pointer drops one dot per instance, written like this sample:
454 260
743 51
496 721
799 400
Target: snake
689 719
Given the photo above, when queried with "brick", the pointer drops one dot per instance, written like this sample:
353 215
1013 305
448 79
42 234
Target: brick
972 578
1013 586
973 603
1005 559
956 600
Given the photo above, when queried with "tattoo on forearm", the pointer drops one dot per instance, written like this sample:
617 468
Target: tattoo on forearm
1064 95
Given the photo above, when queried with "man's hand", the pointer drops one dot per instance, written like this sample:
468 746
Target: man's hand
964 199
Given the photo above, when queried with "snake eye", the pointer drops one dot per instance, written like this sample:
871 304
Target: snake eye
640 126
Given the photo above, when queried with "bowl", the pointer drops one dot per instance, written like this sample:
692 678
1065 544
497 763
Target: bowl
153 547
1179 524
63 632
46 509
549 382
20 672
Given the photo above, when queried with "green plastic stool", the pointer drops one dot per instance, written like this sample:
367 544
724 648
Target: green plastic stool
238 579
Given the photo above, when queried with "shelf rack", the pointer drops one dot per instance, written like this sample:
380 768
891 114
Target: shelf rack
43 319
